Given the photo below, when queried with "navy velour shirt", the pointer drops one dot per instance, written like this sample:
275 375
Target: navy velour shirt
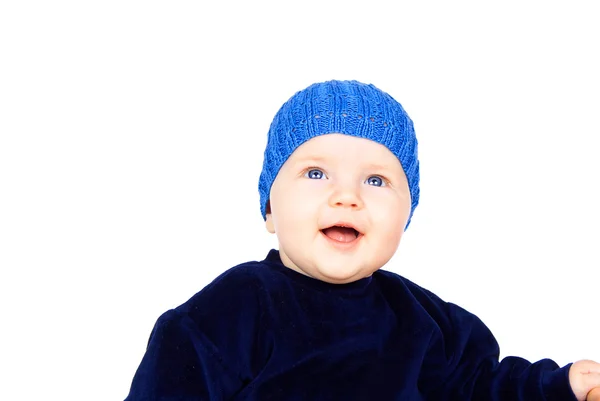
261 331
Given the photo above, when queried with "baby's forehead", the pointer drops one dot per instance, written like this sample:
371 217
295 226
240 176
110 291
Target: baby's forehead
342 148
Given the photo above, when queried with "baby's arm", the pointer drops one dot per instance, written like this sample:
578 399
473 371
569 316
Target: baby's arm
465 357
207 348
178 365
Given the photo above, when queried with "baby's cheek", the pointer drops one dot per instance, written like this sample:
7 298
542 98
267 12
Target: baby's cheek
390 223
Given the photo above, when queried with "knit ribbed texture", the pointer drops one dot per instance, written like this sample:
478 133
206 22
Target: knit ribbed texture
344 107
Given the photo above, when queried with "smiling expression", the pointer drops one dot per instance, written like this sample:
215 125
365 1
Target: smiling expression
339 206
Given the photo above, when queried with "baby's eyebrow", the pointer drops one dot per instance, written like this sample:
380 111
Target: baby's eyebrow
322 160
312 159
377 166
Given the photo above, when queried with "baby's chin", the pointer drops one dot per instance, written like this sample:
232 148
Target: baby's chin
340 274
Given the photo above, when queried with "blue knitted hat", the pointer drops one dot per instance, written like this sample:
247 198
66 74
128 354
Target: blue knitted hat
344 107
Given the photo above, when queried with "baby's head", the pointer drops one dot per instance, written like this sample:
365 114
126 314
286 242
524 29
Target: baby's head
340 180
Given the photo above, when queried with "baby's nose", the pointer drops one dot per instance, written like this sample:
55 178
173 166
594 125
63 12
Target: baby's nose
346 196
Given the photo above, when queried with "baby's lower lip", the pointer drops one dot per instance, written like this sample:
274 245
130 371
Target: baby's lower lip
342 245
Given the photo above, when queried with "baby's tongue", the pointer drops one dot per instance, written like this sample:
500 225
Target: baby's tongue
341 234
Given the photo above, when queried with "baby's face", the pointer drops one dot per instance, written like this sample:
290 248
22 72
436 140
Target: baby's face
339 206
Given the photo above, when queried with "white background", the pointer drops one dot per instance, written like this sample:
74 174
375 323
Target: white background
131 143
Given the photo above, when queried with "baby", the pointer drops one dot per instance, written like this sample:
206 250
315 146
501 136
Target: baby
319 319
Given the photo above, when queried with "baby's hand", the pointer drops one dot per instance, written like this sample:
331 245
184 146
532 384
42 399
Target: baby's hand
594 395
584 377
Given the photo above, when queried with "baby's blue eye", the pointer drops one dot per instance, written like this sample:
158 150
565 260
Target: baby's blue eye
315 174
376 181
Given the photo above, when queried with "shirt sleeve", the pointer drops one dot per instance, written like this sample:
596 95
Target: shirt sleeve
467 354
177 365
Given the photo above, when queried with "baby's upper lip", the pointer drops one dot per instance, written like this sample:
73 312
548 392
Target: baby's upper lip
343 224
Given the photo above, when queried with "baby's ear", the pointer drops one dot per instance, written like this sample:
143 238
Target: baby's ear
269 220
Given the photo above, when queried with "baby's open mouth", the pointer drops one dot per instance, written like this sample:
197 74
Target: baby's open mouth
341 233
